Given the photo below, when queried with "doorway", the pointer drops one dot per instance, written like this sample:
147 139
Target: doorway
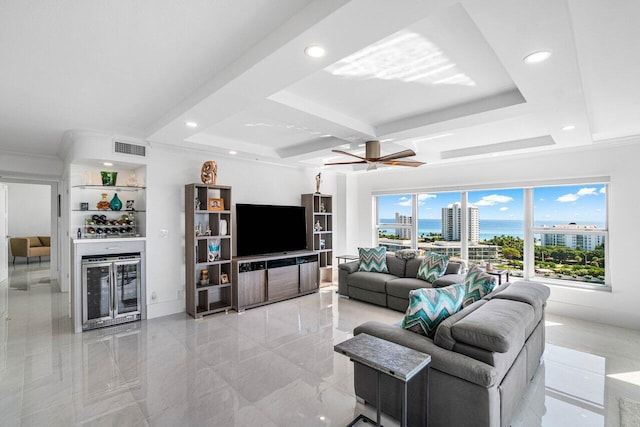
32 210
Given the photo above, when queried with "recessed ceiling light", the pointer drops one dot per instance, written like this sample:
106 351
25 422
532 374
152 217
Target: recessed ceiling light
539 56
233 153
315 51
568 127
191 124
108 164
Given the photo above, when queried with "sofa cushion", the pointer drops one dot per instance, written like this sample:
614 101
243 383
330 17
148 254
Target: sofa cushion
429 306
396 265
533 294
373 259
411 268
496 326
477 284
443 337
375 282
45 240
34 242
402 286
409 253
454 267
433 266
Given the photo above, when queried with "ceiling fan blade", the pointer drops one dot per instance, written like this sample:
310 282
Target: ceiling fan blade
348 154
402 163
346 163
405 153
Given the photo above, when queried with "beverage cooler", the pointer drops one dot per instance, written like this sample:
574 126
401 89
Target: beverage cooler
111 290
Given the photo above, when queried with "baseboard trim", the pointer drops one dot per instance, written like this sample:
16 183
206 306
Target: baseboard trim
165 308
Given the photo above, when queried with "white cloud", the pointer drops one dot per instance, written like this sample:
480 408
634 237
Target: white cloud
405 198
603 190
406 202
587 192
425 196
493 199
504 208
568 198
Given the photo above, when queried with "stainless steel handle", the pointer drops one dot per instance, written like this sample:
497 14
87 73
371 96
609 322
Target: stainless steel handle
113 289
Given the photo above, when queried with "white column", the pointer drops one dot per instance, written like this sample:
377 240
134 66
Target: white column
528 247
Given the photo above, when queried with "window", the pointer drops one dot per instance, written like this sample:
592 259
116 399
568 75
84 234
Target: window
439 223
570 233
497 228
394 224
556 233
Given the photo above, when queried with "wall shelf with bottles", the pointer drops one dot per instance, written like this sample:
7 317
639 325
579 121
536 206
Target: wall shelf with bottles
88 198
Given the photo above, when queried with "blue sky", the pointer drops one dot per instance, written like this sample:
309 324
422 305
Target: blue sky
584 204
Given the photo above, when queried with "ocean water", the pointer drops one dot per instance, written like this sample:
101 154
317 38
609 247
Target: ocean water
488 227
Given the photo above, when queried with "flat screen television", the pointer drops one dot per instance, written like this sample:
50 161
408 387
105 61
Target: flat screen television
270 229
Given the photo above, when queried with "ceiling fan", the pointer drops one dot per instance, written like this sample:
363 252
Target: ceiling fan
372 157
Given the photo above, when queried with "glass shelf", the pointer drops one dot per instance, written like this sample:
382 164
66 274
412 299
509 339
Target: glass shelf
110 187
105 211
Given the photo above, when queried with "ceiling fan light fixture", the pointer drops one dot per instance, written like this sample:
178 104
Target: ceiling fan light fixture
315 51
536 57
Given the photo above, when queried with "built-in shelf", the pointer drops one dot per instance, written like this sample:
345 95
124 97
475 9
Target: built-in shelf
106 210
110 187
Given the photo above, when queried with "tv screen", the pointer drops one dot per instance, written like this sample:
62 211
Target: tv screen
269 229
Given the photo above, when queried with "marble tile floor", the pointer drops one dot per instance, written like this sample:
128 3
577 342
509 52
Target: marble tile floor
270 366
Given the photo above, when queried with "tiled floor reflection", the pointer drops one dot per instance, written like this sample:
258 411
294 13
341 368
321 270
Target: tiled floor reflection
270 366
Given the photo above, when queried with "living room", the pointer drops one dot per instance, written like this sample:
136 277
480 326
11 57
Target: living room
270 142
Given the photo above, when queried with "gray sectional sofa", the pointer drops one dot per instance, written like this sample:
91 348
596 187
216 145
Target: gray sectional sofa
482 359
391 289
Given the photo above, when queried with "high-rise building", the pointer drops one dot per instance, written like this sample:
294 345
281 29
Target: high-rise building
403 233
573 241
451 223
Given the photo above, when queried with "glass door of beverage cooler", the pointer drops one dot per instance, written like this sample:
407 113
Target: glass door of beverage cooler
96 292
127 287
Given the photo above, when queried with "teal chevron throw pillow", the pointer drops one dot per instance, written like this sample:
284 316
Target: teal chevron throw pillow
477 284
430 306
433 266
373 259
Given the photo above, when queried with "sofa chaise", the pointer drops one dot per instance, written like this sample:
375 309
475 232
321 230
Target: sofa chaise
482 360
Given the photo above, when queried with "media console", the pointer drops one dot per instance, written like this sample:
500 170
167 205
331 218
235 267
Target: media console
260 280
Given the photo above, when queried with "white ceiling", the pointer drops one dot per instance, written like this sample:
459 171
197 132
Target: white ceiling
441 77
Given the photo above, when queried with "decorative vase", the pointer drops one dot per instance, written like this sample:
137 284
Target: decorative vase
103 204
223 227
109 178
115 204
209 172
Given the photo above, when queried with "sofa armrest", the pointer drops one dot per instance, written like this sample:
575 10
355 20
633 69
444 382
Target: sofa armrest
349 267
449 362
448 279
19 246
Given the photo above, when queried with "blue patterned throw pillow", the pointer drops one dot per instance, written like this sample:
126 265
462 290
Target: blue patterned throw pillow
477 284
433 266
373 259
430 306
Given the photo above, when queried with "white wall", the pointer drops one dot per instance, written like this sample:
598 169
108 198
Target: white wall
168 171
618 307
29 210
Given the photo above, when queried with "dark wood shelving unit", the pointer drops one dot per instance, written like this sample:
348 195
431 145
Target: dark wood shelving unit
320 212
214 296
